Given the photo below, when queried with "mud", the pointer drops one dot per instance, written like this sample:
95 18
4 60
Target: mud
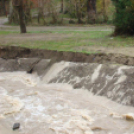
19 52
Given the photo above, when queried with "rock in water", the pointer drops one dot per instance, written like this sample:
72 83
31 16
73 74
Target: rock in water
16 126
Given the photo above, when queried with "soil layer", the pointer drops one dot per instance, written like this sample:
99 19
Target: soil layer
13 52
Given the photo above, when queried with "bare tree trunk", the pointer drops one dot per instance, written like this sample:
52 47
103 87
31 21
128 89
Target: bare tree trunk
10 12
78 12
18 4
41 15
91 10
104 12
27 9
4 7
13 14
62 6
21 18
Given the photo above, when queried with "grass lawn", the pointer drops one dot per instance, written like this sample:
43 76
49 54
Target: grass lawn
65 38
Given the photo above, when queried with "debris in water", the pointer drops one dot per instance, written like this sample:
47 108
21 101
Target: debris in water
16 126
129 116
115 115
96 128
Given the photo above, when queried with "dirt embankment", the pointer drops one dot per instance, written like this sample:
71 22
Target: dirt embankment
18 52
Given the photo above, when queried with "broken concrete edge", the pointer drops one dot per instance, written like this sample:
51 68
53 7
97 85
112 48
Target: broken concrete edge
12 52
115 82
29 65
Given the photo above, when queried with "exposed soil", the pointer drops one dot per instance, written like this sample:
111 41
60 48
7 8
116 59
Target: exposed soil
15 52
128 51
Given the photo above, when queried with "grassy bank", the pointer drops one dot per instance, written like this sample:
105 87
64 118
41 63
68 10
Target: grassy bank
65 38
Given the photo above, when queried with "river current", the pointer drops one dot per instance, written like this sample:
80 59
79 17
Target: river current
42 108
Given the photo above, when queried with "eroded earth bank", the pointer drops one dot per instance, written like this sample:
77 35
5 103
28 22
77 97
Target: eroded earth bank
65 93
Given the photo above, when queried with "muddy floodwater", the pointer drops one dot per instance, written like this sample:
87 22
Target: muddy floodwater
57 108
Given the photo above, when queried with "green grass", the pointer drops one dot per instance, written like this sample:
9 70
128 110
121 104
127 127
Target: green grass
63 40
7 32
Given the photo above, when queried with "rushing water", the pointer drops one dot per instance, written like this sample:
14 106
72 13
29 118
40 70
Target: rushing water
57 108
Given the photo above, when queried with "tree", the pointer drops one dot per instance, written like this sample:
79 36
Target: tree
62 6
91 10
78 11
104 11
18 4
41 14
124 17
4 6
27 8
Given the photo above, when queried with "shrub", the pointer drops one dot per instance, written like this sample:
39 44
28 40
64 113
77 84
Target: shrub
124 17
